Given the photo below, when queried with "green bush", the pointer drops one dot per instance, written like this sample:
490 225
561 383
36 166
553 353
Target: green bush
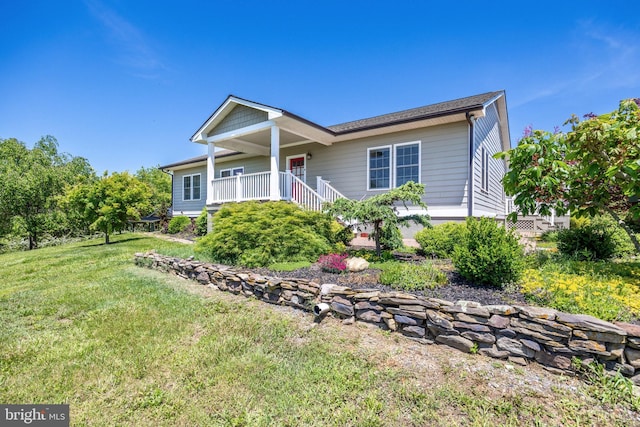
256 234
490 254
440 240
597 238
201 223
549 236
178 224
410 277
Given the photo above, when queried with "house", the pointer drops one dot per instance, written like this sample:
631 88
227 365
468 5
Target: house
259 152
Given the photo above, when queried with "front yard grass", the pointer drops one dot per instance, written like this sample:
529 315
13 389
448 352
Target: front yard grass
128 346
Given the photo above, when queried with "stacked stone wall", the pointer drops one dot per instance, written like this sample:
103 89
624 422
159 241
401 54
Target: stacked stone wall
521 334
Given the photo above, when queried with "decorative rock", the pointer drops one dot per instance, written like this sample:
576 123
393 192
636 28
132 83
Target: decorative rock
500 309
391 324
345 310
454 341
598 336
413 308
532 345
498 322
440 302
518 360
550 332
356 264
463 317
406 320
203 278
331 289
414 331
477 311
471 326
349 321
368 316
472 304
493 352
478 337
633 357
537 312
631 329
555 360
416 314
633 342
590 323
589 347
624 369
439 321
514 347
366 305
371 296
636 379
507 333
341 300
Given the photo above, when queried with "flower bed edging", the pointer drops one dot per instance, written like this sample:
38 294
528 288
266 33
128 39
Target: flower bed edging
521 334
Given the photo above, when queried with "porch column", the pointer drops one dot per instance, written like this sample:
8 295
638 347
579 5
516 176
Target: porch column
211 172
274 190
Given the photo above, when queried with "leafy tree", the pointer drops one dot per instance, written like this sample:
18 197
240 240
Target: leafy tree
110 202
381 211
593 169
31 180
160 185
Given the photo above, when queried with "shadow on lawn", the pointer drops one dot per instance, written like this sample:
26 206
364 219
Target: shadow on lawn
112 242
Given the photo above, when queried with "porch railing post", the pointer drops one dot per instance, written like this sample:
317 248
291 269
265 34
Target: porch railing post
238 188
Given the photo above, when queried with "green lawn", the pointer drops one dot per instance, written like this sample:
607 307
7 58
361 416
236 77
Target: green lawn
128 346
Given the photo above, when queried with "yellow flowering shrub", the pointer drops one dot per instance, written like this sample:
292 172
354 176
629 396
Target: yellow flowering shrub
609 291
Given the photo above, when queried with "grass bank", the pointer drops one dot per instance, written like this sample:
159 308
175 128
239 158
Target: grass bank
128 346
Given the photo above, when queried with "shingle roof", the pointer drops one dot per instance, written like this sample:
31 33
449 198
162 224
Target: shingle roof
203 158
428 111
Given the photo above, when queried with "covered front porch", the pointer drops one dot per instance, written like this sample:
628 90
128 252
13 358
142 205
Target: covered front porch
260 131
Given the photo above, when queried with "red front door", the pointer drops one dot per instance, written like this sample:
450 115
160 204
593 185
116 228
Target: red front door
296 166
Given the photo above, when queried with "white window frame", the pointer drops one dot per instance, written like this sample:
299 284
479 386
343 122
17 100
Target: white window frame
232 171
369 150
395 157
484 170
190 176
393 171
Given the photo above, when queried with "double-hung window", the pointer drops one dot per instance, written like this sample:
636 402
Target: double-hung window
231 172
393 165
191 187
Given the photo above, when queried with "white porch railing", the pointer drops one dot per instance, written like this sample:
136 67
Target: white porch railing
257 186
510 207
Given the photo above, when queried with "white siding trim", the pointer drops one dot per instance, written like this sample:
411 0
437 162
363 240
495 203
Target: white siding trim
187 213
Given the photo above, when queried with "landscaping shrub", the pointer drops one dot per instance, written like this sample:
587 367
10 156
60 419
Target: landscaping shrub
333 263
410 277
490 254
201 223
255 234
597 238
178 224
440 240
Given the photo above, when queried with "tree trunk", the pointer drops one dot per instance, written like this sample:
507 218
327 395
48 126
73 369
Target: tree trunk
376 235
32 243
626 228
106 238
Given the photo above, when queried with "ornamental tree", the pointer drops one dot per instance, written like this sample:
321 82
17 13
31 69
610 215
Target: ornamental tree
590 170
381 211
110 202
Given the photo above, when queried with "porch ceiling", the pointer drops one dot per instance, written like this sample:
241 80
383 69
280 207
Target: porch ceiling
260 142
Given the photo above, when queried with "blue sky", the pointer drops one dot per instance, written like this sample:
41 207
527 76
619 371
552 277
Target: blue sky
125 83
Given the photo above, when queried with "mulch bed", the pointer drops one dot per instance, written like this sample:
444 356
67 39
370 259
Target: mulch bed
457 288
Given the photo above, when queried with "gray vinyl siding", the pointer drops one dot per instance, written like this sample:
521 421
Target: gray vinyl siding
443 163
180 205
251 165
241 116
487 135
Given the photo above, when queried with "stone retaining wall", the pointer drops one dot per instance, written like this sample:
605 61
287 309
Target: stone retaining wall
518 333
